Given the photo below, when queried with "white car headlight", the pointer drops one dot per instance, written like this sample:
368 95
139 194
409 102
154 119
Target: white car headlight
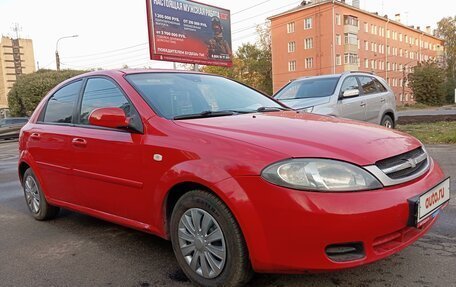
320 175
308 109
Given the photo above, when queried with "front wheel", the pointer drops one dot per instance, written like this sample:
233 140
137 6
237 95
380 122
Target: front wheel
208 242
387 122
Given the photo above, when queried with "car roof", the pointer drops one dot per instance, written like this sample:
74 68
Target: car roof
319 77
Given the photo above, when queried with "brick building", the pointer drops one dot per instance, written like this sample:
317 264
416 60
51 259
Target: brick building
330 37
16 58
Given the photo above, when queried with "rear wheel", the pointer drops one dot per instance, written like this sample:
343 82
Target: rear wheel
207 241
34 197
387 122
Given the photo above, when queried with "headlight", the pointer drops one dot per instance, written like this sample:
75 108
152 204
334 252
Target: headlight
320 175
308 109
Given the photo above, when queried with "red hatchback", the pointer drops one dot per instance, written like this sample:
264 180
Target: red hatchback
237 182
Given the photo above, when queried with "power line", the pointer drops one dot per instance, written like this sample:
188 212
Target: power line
108 52
248 8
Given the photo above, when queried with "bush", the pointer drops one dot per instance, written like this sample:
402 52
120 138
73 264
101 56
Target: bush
427 83
29 89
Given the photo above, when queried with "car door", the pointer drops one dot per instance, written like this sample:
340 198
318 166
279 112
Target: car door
107 168
47 141
353 107
374 97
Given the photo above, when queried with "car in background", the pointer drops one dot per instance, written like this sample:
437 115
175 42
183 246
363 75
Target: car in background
10 127
359 96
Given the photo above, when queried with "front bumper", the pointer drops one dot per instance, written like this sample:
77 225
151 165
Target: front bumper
288 231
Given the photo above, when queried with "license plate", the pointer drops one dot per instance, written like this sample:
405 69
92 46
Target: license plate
431 201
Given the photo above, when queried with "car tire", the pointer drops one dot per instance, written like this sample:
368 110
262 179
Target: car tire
387 122
36 201
197 210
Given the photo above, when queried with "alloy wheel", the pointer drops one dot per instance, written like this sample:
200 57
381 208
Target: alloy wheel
32 195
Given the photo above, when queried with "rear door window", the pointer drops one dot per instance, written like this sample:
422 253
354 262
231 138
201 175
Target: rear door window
61 105
368 85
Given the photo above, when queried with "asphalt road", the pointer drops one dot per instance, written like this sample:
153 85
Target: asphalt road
77 250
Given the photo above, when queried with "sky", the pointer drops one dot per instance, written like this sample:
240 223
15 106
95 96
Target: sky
114 33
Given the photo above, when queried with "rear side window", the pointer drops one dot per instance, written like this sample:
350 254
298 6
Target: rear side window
368 85
60 106
380 86
20 121
102 93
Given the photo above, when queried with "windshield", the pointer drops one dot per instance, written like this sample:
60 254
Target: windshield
175 95
308 88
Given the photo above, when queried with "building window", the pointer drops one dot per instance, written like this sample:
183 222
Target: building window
291 27
388 34
338 39
338 60
401 52
388 50
406 39
366 27
388 66
350 58
309 63
366 63
338 19
291 47
400 37
308 43
366 45
351 39
292 66
308 23
350 20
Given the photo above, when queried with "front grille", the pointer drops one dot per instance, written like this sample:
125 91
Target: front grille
404 165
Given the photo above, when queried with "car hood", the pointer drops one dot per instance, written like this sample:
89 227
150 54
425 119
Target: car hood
308 135
305 103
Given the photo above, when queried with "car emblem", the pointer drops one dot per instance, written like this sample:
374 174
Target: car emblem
412 162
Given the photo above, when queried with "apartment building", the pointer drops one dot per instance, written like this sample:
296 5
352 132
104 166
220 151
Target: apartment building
330 37
16 58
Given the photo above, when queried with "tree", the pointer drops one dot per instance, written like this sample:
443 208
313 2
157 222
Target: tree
29 89
252 63
427 83
447 31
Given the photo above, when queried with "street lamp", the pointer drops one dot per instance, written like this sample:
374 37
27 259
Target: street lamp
57 57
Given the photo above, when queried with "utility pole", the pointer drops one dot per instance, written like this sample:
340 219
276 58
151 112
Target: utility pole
57 60
403 84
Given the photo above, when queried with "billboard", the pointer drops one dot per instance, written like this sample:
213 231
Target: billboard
189 32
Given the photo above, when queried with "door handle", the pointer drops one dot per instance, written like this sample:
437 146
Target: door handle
363 104
382 100
35 136
78 142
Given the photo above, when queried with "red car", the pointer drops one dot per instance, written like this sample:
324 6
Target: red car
237 181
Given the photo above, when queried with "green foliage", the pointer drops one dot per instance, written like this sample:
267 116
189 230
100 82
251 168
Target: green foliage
447 31
427 82
29 89
252 64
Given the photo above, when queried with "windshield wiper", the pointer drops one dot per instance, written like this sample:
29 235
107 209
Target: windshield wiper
272 109
208 114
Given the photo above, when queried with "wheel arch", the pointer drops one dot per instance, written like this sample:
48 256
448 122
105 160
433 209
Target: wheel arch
389 113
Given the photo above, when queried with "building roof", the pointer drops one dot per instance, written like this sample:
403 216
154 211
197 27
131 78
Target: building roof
338 2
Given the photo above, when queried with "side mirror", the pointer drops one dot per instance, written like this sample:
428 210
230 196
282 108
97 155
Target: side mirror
350 93
109 118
